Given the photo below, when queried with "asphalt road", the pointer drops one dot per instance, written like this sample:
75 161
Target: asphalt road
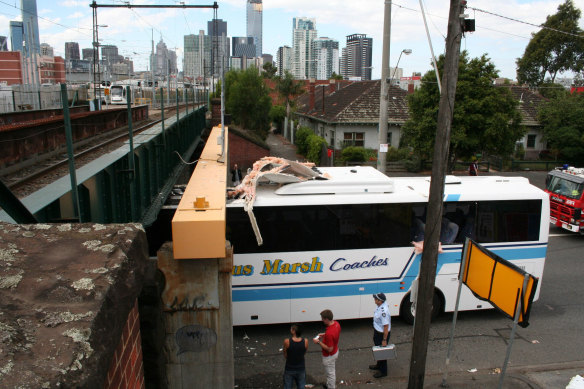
553 336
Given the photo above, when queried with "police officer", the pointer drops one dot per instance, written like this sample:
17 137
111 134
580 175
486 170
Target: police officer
381 331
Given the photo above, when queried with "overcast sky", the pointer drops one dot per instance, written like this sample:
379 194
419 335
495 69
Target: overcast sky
502 39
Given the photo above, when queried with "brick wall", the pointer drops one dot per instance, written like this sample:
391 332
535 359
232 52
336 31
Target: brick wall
126 369
244 153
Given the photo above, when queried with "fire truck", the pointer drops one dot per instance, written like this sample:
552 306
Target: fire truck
565 186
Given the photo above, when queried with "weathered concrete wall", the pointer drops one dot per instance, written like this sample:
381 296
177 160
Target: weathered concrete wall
197 304
66 293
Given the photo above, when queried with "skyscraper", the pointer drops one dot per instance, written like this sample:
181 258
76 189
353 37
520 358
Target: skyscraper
303 33
47 50
72 50
254 23
220 45
87 54
16 35
284 60
197 56
3 43
357 57
30 25
325 58
243 46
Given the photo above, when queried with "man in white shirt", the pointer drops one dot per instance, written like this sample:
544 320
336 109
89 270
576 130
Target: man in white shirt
381 331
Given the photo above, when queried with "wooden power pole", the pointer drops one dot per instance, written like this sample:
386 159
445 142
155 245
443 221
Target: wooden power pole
427 276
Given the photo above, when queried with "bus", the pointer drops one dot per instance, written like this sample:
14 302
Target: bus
332 243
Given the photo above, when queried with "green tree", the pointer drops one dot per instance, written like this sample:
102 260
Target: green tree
550 90
485 118
247 100
269 70
336 76
288 88
563 127
555 49
277 115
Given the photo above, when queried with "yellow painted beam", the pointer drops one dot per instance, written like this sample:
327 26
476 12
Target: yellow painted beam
198 226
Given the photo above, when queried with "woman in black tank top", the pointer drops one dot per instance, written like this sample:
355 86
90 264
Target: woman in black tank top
294 349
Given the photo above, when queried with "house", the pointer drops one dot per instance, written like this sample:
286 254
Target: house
529 104
349 115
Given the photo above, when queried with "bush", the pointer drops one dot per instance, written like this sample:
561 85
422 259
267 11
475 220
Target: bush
354 154
277 115
301 139
395 155
315 146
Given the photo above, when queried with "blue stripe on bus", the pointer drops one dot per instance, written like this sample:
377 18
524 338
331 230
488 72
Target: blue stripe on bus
351 287
453 197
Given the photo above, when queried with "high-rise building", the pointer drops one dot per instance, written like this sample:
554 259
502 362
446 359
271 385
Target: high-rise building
109 54
16 35
87 54
217 30
3 43
303 33
254 23
197 56
325 58
357 57
72 50
47 50
30 26
243 46
284 60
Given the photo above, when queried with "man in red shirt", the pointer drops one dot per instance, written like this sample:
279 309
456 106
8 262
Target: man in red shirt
329 342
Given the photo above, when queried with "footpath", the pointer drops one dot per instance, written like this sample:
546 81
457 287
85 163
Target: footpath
554 376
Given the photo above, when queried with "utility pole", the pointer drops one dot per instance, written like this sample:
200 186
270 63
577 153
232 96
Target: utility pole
427 276
383 94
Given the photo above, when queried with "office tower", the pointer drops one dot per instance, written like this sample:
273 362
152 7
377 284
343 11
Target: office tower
72 50
109 54
357 57
325 58
254 23
16 35
30 26
303 33
47 50
197 56
284 60
87 54
3 43
220 45
243 46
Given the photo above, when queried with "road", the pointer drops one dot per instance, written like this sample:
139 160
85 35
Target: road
553 336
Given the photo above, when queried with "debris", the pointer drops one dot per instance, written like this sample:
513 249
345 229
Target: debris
280 350
497 370
535 341
245 337
309 386
473 370
577 382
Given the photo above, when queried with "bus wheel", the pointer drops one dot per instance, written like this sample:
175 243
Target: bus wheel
407 311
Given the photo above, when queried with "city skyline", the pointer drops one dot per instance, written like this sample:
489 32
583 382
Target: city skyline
502 40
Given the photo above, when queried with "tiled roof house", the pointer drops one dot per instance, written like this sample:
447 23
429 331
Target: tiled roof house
350 115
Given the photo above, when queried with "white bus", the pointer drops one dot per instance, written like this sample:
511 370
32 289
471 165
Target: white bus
331 244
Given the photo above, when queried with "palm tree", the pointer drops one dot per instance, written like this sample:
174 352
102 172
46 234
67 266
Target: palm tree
288 88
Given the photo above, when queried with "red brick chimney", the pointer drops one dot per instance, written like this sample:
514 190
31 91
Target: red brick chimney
311 95
332 86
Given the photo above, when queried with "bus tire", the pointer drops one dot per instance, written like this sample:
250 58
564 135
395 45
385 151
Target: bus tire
406 311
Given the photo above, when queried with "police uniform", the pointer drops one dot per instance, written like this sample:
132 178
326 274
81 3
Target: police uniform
381 318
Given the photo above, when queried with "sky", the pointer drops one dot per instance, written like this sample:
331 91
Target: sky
503 27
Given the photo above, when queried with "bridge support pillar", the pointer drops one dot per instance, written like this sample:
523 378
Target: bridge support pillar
198 344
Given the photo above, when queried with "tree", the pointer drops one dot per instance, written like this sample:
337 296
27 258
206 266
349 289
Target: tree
288 88
485 118
336 76
247 99
555 49
563 128
269 70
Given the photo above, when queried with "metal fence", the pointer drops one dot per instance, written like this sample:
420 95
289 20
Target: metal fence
35 97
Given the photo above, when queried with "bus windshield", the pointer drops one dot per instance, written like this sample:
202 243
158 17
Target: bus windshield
116 91
565 187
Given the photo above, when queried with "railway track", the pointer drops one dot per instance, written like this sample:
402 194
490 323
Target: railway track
16 182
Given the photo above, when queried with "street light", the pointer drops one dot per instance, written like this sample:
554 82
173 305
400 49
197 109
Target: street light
404 51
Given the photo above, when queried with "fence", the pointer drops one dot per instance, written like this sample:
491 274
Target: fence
28 97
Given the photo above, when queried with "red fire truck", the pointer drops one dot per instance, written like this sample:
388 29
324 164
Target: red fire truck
565 186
